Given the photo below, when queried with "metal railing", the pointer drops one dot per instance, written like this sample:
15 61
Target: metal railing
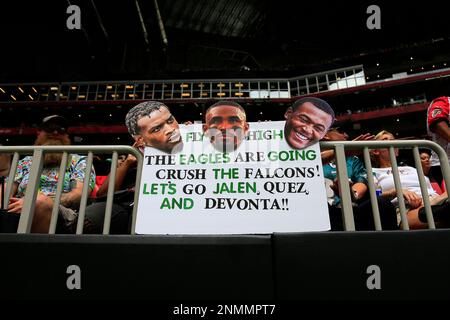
38 153
364 146
339 147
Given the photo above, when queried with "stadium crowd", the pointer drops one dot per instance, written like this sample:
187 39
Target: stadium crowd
308 121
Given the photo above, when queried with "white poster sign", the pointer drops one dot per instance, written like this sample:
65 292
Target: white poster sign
263 186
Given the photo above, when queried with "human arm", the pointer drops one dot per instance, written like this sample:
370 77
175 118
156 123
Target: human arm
358 175
15 204
438 117
443 130
328 155
121 172
72 198
413 199
69 199
358 190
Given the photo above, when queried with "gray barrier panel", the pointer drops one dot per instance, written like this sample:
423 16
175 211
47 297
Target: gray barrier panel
339 265
136 267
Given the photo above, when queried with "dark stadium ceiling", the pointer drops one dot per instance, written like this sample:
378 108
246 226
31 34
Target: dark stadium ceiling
215 38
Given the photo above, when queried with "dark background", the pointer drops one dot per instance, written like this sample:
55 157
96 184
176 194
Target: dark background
222 39
216 38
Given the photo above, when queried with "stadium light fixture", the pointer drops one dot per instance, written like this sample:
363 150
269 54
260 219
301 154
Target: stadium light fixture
20 89
14 98
1 89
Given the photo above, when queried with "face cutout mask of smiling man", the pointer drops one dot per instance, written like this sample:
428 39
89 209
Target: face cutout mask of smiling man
307 122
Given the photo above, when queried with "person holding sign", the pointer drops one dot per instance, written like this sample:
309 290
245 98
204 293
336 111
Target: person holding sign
307 121
150 124
225 125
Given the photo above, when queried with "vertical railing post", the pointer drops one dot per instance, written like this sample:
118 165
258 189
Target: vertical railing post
29 202
110 196
398 187
85 193
372 192
59 189
347 209
10 182
423 188
137 187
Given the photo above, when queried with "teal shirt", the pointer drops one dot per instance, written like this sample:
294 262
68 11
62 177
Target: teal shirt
355 170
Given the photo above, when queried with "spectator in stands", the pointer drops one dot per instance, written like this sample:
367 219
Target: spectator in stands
225 125
357 175
409 180
123 199
355 169
52 131
438 121
307 121
425 155
151 124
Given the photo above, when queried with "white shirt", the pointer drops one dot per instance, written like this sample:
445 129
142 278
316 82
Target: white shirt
409 180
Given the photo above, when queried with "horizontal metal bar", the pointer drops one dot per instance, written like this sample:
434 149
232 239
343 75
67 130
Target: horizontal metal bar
374 144
113 82
70 149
